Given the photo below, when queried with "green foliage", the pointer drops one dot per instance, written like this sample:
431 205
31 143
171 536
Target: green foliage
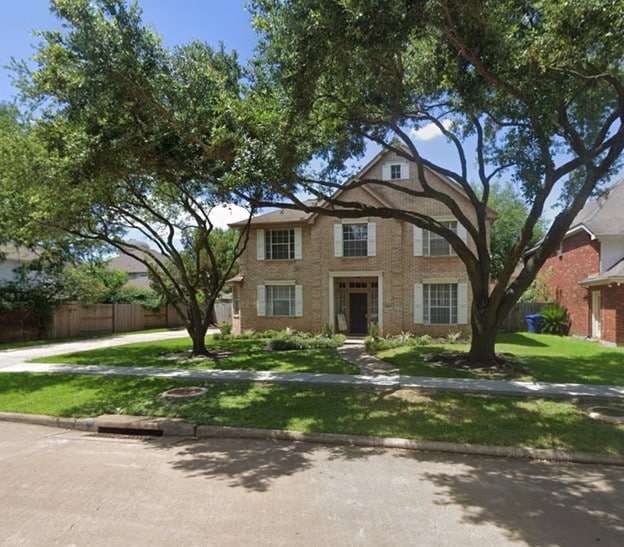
147 298
555 319
32 301
300 341
512 211
526 92
225 329
405 339
538 290
128 137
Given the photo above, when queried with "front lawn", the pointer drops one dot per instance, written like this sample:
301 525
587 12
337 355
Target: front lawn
549 358
245 355
438 417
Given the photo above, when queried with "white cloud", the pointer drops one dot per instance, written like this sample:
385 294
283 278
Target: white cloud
429 131
222 215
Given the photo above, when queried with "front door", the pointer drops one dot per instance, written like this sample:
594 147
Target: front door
358 306
596 305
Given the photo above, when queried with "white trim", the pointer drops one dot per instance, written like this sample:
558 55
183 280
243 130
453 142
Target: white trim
418 241
338 251
358 273
354 221
298 301
280 282
261 301
418 304
260 250
462 303
440 281
298 243
371 239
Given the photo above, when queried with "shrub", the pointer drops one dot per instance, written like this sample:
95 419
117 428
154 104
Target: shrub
226 329
555 319
296 341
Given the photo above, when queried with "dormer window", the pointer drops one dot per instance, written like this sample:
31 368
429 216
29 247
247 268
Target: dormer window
396 170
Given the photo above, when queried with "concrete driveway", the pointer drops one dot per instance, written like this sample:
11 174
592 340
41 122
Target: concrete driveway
11 357
70 488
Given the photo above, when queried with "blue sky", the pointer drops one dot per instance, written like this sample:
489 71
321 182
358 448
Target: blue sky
177 21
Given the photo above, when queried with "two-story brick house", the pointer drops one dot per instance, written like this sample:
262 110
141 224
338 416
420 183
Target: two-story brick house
305 271
586 273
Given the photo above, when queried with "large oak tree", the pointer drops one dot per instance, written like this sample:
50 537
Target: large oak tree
531 92
138 140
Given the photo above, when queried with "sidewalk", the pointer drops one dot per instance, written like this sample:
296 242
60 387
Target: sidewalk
464 385
374 374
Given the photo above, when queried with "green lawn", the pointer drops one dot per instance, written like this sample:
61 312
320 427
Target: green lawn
549 359
439 417
246 355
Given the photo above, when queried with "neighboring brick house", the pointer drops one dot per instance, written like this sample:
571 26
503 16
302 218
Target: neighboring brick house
586 273
305 271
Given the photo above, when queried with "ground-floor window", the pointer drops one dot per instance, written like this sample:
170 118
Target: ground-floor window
440 303
280 299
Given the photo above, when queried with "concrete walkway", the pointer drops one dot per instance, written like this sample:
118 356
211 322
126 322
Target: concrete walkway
374 373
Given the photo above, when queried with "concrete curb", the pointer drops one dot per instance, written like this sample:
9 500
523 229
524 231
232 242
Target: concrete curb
178 428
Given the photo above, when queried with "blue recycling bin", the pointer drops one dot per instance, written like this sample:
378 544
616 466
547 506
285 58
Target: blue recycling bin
534 322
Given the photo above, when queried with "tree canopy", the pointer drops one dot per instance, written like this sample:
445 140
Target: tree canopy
138 140
528 92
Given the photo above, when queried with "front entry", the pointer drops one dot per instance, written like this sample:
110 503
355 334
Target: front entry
357 304
358 308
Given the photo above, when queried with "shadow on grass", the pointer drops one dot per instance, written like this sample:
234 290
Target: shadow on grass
520 339
246 355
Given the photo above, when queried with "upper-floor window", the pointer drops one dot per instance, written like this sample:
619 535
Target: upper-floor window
428 243
396 170
436 245
279 244
353 239
282 244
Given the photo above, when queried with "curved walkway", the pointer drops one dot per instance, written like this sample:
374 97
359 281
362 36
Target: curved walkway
374 373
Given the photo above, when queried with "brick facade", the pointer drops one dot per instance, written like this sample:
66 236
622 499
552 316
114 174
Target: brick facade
392 276
577 258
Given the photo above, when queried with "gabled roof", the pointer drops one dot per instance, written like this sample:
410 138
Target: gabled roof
604 215
279 216
129 264
292 216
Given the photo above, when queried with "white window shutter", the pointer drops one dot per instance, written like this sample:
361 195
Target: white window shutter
298 238
261 303
260 252
405 170
385 171
418 303
462 303
418 241
371 242
338 240
461 232
298 301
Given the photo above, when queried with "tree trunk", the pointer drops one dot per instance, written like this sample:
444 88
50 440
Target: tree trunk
197 332
483 342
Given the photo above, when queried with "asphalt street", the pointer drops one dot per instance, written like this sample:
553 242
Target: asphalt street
64 487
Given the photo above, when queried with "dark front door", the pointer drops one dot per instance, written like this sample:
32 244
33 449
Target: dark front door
358 304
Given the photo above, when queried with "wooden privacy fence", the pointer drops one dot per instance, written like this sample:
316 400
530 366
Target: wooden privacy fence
72 320
516 320
79 320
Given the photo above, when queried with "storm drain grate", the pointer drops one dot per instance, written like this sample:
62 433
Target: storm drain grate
131 431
